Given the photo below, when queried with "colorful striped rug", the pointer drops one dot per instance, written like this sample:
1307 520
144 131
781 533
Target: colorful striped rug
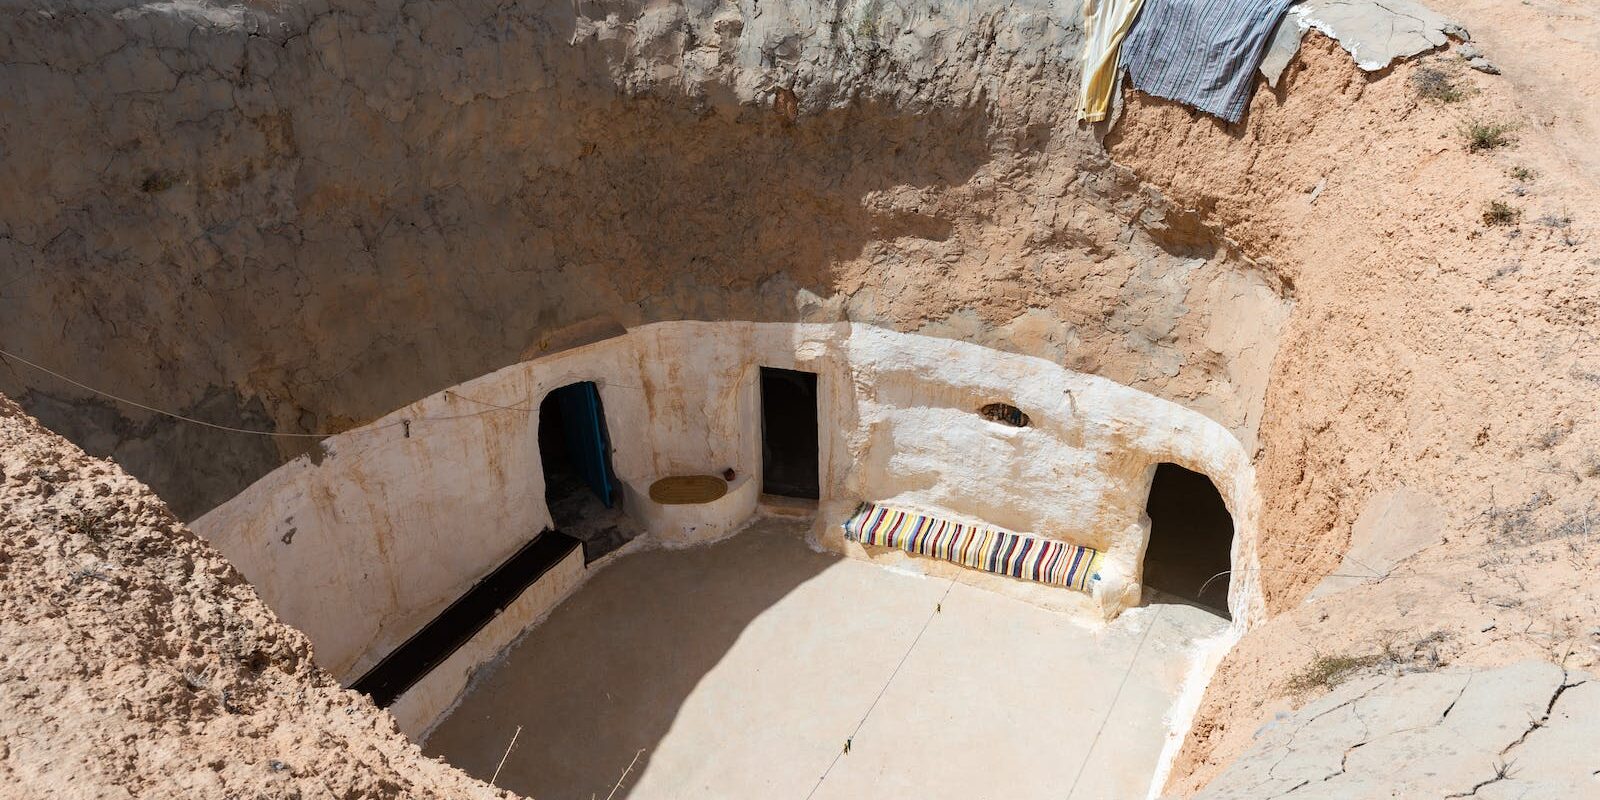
990 549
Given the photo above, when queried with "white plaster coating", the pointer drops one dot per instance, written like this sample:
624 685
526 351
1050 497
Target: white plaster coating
490 645
363 548
420 706
1393 526
1374 33
387 529
1202 663
1283 46
693 523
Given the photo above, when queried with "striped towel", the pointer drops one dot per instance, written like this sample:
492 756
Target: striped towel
991 549
1105 23
1202 53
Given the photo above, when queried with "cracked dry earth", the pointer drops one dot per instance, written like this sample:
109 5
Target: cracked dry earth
1523 730
300 216
1476 410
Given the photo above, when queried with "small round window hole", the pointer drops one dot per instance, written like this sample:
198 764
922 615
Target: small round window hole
1005 414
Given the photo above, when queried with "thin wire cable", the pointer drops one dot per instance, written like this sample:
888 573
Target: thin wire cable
1132 662
523 406
1325 551
929 621
1203 586
506 756
230 429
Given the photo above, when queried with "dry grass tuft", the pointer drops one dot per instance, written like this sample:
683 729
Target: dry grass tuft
1439 85
1562 220
1501 213
1326 672
1483 135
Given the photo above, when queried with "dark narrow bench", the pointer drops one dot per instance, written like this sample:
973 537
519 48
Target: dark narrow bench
429 647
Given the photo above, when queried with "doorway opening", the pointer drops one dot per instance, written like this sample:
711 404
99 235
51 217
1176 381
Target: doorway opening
789 463
579 485
1191 538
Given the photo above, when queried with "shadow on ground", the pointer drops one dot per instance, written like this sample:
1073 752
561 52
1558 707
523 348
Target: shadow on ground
740 669
677 612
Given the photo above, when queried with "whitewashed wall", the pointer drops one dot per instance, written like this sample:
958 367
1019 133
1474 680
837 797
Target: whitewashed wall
387 530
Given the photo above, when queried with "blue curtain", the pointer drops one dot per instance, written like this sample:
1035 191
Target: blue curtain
585 434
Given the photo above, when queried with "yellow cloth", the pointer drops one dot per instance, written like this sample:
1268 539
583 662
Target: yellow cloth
1105 22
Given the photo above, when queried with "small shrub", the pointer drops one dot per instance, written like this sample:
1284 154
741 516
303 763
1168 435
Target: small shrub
1515 528
1424 655
1552 437
871 17
1483 135
1516 523
1327 672
1576 522
1555 220
1522 174
1433 83
1499 213
1508 269
87 523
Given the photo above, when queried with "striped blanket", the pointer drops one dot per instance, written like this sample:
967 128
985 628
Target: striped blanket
1002 552
1202 53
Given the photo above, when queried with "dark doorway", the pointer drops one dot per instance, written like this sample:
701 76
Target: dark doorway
579 486
789 433
1191 538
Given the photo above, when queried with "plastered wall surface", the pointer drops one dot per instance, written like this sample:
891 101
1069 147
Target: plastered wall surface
1080 471
361 547
426 701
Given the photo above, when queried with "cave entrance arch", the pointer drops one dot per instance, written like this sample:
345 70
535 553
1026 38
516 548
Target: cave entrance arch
1191 538
580 487
789 462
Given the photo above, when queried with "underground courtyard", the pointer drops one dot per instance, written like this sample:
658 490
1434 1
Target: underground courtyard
612 399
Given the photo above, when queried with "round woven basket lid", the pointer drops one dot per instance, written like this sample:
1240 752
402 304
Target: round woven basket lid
688 489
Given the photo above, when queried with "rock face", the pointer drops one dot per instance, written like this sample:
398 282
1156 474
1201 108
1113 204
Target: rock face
1515 731
1430 351
297 217
135 662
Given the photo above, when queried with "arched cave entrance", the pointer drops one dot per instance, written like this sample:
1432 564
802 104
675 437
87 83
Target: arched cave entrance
579 485
1191 538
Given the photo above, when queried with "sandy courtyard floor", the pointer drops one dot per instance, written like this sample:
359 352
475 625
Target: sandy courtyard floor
740 668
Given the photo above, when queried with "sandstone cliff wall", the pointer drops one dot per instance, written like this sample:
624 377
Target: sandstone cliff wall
298 217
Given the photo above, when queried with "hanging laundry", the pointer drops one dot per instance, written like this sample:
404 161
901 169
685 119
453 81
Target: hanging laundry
1105 23
1202 53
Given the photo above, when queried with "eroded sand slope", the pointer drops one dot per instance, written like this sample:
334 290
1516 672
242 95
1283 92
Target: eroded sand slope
135 662
367 203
